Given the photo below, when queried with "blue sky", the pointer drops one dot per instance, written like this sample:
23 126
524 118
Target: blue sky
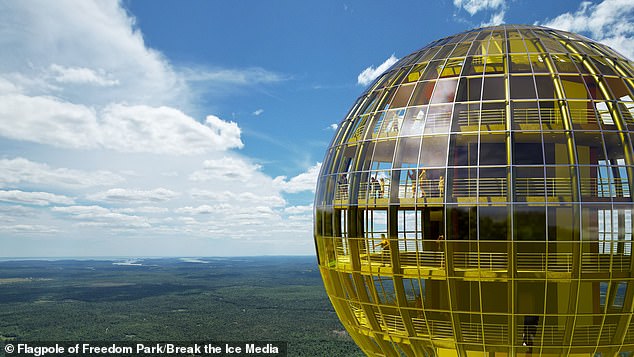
197 128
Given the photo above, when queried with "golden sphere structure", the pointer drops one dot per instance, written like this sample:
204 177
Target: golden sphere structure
476 200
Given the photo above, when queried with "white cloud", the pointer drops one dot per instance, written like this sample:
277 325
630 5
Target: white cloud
369 74
226 168
248 76
20 170
81 75
475 6
609 22
118 127
143 209
496 19
299 209
95 216
34 198
333 126
102 46
47 120
134 196
28 228
241 197
305 181
89 92
203 209
164 130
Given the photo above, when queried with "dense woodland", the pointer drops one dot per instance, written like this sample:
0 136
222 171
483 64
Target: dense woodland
226 299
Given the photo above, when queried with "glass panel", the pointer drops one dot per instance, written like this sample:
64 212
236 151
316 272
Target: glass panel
582 115
434 151
593 88
545 87
614 146
589 147
538 63
525 115
493 222
402 96
433 70
558 183
493 116
438 119
520 64
493 184
466 117
407 152
516 46
413 121
416 72
494 64
556 150
522 87
452 68
493 89
604 113
473 65
493 149
550 116
564 64
574 87
463 150
423 93
527 149
462 185
561 225
461 49
617 87
445 91
529 184
462 223
529 223
469 89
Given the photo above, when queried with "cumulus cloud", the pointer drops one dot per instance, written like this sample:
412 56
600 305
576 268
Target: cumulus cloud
143 209
305 181
27 228
82 75
475 6
124 195
47 120
125 128
369 74
87 98
20 170
333 126
102 47
34 198
299 209
164 130
101 216
119 127
496 19
202 209
241 197
226 168
608 22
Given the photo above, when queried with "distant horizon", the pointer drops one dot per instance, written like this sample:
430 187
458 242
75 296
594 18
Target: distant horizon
108 258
